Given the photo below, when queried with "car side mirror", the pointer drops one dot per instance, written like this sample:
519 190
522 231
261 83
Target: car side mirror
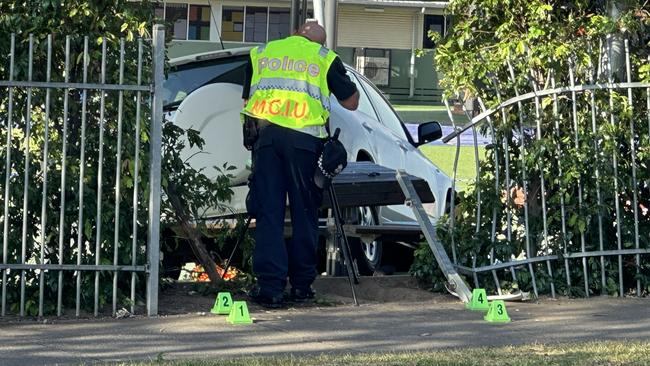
428 132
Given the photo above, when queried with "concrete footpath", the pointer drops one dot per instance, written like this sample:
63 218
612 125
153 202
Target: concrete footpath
407 323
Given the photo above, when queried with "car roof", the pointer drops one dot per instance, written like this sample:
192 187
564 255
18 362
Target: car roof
210 55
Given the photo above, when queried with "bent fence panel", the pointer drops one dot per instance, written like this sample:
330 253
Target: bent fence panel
80 129
561 200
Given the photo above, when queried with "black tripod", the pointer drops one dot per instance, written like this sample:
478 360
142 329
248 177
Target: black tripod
342 242
340 237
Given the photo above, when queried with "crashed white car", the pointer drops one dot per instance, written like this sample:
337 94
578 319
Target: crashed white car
203 92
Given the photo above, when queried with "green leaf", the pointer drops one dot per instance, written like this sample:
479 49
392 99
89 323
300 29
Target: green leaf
194 138
521 47
88 229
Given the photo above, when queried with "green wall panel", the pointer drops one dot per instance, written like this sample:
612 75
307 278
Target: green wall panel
184 48
426 91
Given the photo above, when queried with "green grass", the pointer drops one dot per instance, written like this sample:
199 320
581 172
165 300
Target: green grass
443 157
407 107
589 353
427 113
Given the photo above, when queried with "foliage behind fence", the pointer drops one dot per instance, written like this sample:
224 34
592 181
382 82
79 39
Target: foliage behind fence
564 188
55 176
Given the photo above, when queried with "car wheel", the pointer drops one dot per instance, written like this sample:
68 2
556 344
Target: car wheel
367 253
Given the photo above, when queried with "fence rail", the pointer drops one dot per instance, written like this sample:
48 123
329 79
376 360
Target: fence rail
75 127
529 207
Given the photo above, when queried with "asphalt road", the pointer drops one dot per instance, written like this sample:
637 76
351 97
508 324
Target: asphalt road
397 321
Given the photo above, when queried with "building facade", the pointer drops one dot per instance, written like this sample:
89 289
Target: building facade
377 37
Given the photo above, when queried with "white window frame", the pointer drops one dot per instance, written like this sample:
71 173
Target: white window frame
187 28
268 21
243 33
187 17
268 9
268 16
220 26
208 4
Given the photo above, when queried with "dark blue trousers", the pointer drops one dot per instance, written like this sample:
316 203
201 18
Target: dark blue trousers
284 162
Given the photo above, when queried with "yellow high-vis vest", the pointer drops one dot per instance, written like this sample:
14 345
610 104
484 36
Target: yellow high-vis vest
289 84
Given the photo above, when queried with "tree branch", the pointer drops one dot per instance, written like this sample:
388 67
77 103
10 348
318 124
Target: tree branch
193 234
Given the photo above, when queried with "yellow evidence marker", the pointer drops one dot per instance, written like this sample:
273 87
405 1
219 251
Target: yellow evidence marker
239 313
222 304
479 300
497 312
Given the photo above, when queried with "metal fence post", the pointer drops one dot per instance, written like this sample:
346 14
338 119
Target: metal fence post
155 149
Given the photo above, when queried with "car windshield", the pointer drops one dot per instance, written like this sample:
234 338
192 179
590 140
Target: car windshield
184 79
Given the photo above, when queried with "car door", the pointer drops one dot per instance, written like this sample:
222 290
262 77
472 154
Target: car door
391 143
395 144
402 153
357 127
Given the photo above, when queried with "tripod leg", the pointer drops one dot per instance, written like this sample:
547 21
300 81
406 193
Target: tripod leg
343 243
240 238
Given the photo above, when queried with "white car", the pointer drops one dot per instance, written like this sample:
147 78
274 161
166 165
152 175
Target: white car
203 92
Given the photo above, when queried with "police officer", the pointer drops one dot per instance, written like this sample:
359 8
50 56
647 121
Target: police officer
287 103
